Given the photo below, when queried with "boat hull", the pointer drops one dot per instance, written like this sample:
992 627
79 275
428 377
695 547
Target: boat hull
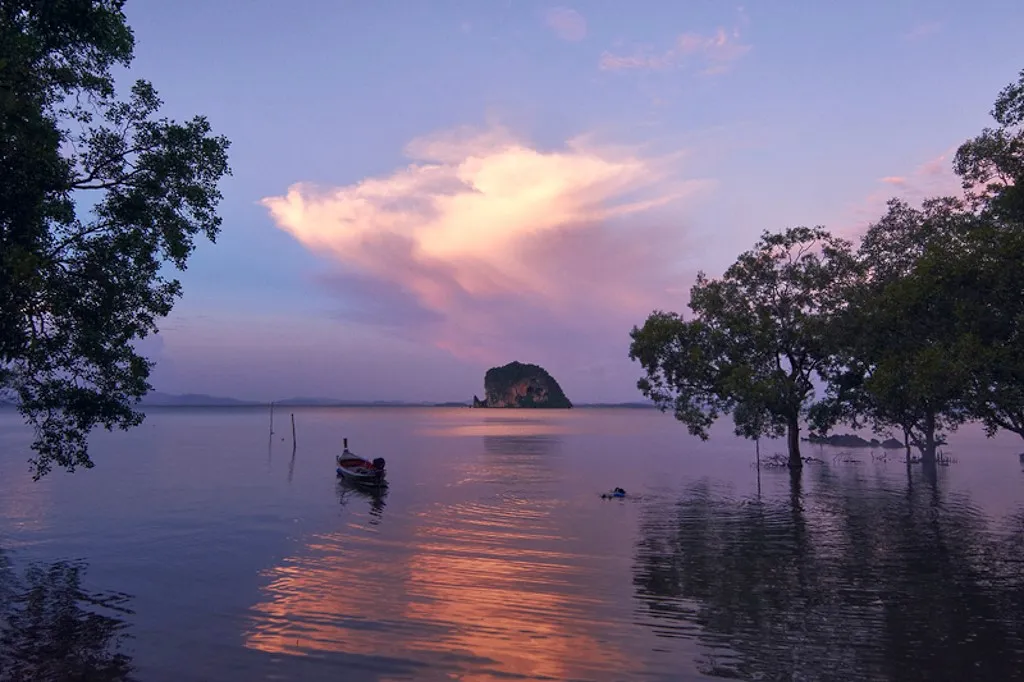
360 471
361 477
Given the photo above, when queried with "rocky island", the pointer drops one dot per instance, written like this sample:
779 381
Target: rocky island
519 384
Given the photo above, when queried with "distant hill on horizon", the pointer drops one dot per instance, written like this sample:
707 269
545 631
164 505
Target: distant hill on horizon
160 399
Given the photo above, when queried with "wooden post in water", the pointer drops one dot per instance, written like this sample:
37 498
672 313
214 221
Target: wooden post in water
757 451
291 464
271 418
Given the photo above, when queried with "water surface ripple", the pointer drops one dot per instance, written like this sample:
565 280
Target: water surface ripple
199 548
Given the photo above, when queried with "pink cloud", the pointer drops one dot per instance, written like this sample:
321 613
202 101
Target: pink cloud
568 24
932 178
490 248
713 54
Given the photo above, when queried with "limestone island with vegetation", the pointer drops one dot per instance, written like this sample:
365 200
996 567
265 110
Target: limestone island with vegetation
518 384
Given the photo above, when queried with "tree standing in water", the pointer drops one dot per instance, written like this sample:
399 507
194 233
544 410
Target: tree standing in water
902 356
759 335
97 195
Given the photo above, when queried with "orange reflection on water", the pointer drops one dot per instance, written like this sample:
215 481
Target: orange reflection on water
496 428
322 600
524 609
481 591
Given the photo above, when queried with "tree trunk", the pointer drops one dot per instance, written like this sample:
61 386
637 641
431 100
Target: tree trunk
928 450
793 438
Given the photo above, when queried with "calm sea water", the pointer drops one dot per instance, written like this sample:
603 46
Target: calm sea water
201 548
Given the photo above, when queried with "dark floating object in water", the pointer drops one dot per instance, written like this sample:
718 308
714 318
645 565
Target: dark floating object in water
780 461
775 461
618 492
360 470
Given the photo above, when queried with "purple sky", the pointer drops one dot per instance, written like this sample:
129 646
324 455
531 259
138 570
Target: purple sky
422 190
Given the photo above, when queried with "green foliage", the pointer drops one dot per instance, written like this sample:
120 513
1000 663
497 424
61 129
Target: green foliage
686 367
991 165
76 291
921 331
941 315
758 338
991 312
901 359
992 168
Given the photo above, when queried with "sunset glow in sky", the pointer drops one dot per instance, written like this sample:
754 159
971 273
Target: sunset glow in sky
424 190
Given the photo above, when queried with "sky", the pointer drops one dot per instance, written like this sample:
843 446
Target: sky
423 190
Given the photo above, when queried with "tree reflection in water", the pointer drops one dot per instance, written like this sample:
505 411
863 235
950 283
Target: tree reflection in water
852 578
51 629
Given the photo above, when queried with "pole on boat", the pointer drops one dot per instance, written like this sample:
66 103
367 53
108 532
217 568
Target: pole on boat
294 444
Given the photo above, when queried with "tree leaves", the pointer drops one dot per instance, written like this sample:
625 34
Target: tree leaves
921 330
991 165
77 291
686 369
909 336
759 337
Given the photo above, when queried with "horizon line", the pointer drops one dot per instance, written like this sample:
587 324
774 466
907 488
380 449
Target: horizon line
154 398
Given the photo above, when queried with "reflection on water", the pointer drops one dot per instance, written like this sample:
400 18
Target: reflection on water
492 556
851 578
349 492
482 584
513 445
509 424
51 629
